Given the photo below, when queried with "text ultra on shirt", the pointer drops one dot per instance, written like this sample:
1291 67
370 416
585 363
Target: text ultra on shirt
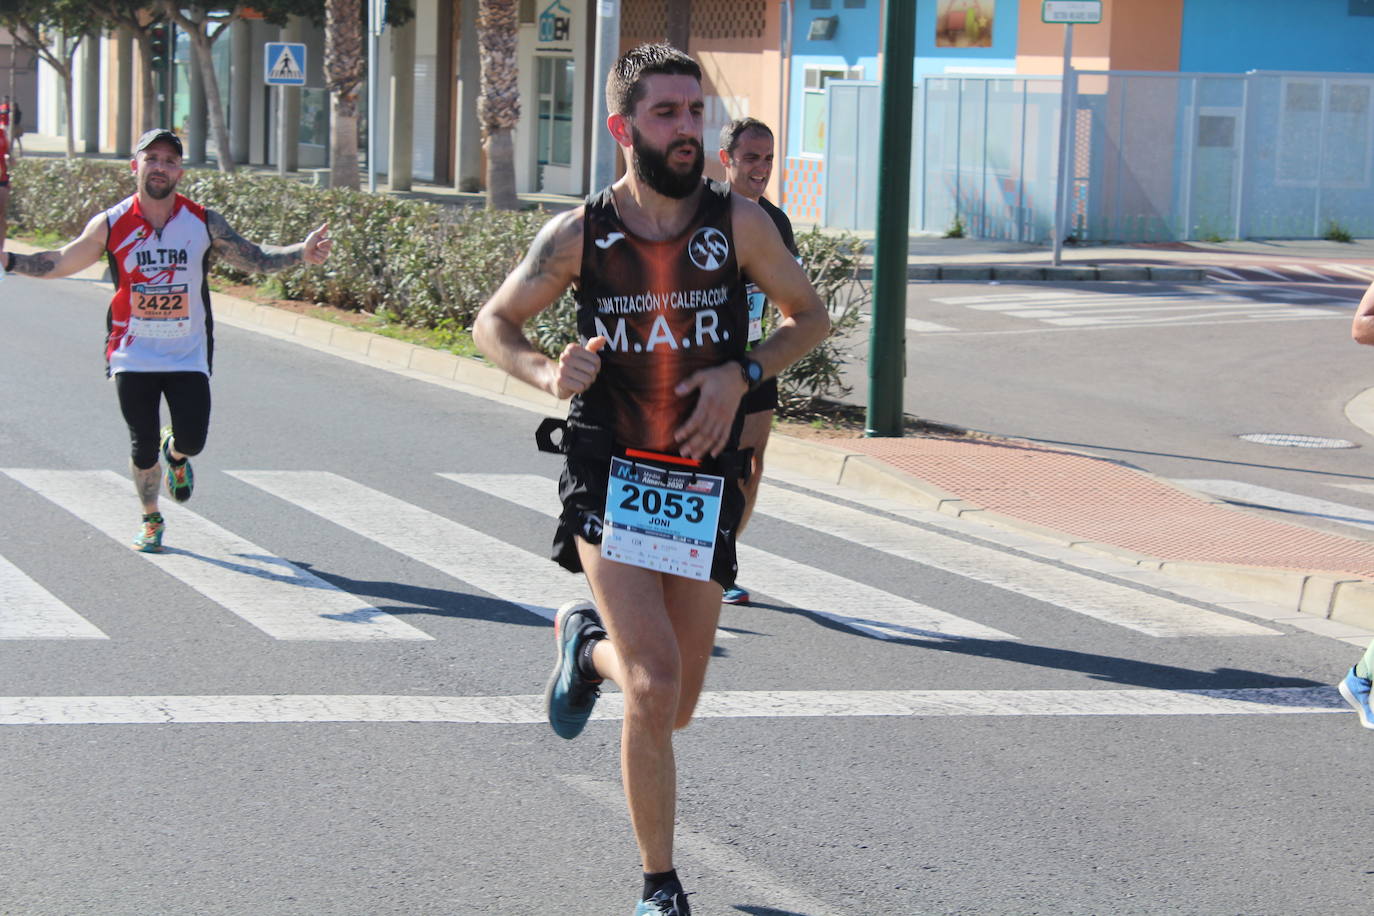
666 309
159 319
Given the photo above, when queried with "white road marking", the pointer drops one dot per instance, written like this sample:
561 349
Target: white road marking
1273 273
711 856
29 611
1289 502
883 614
1078 310
282 600
1325 278
510 573
771 704
1229 273
915 325
1092 597
1259 312
1359 273
1002 297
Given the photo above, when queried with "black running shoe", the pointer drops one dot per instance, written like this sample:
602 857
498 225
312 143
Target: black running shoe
663 903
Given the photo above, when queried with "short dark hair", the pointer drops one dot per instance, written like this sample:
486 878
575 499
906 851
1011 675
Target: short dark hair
731 132
623 84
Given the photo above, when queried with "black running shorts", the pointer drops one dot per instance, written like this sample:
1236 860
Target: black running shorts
582 487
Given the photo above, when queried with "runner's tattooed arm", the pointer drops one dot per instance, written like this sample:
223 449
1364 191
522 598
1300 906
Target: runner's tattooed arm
552 263
78 254
254 258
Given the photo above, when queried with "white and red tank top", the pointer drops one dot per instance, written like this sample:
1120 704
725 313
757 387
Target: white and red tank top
159 319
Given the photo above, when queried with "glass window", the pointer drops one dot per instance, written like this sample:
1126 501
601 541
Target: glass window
555 81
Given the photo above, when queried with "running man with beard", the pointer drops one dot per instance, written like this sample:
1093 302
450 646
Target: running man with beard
650 485
746 151
160 341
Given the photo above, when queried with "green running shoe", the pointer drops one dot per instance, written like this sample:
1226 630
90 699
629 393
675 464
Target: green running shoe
149 540
180 479
570 695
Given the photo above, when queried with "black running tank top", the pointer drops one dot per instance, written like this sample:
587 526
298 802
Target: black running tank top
666 310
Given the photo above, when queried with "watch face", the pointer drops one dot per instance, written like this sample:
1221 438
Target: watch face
755 372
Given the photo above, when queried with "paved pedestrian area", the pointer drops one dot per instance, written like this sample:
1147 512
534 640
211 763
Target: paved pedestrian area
1098 500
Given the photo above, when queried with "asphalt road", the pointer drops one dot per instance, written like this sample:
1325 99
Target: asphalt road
1165 377
1106 745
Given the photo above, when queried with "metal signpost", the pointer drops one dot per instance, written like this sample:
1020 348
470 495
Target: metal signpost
1069 13
376 21
283 65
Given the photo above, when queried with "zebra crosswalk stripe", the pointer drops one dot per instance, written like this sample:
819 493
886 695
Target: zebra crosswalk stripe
884 615
1073 591
29 611
510 573
280 599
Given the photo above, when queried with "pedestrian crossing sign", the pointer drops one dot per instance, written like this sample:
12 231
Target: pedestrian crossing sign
284 63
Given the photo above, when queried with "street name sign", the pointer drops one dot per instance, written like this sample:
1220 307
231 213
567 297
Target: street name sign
284 63
1071 12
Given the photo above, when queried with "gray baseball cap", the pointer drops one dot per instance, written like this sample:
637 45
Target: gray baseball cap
156 134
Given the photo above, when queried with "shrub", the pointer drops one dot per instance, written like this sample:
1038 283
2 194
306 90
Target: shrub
1335 232
423 265
426 265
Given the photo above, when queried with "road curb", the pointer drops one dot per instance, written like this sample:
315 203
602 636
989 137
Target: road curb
1022 273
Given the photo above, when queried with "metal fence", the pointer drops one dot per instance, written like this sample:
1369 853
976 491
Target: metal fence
1154 156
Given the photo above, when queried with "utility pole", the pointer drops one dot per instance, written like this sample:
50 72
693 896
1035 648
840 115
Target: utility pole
887 343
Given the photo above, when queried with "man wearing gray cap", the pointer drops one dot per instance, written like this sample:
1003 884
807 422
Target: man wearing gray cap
160 340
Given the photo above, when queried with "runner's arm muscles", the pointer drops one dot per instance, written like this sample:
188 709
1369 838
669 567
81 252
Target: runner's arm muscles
551 264
78 254
804 322
254 258
1362 330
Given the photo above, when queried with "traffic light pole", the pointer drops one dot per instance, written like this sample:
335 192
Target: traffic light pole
887 342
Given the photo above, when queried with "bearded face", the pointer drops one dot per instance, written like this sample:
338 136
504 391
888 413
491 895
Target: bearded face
667 171
158 169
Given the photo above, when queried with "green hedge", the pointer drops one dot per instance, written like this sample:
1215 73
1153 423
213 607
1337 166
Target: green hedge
424 265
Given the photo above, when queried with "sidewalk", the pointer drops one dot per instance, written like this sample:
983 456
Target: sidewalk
1076 500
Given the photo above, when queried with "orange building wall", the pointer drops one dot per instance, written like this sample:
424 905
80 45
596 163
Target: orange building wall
1133 35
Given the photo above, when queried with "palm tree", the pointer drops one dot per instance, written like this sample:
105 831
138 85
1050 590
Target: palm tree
343 71
498 105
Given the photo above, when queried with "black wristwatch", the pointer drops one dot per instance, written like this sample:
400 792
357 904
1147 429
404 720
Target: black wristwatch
752 372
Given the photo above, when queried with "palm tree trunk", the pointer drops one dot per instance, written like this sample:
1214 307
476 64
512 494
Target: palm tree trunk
343 67
498 106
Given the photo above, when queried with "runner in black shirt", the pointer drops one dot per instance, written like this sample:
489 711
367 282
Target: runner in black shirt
746 151
655 263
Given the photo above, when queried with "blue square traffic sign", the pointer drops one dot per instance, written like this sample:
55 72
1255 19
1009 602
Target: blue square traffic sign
284 63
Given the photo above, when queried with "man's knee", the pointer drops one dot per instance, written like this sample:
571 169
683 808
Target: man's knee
190 446
652 686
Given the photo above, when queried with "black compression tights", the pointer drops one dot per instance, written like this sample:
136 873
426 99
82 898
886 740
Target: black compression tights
188 405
